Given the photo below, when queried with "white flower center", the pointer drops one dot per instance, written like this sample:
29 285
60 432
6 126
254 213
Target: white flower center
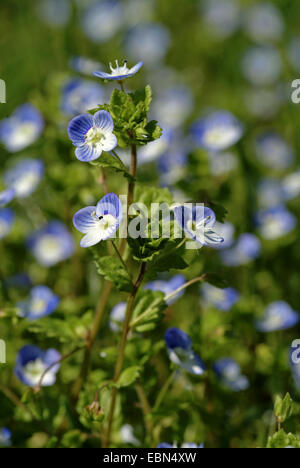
221 136
119 71
49 248
94 136
34 370
37 306
26 183
4 228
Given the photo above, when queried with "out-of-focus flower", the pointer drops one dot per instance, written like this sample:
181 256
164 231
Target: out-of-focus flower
79 96
269 193
157 148
92 135
54 12
99 222
42 302
294 53
181 353
263 22
20 280
197 222
222 17
119 73
262 102
291 186
51 244
294 358
261 65
171 165
22 128
5 437
148 41
127 435
273 151
84 65
222 163
168 287
229 373
278 316
102 20
225 230
184 445
275 222
172 106
7 218
32 362
24 177
218 131
222 299
6 196
117 317
246 249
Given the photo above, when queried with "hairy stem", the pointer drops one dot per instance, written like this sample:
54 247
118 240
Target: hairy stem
146 408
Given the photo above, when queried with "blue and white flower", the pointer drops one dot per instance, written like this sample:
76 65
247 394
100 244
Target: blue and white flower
278 316
117 317
273 151
6 196
84 65
181 353
291 185
51 244
246 249
225 230
157 148
264 22
22 128
263 102
32 362
148 41
79 96
102 20
262 66
294 52
270 192
197 222
221 17
119 73
222 163
168 287
184 445
24 177
222 299
99 222
173 106
229 373
218 131
171 165
7 218
92 135
42 302
5 437
294 359
275 222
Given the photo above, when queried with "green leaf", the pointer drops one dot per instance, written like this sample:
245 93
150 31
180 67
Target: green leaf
283 408
108 160
282 440
72 330
128 376
215 280
113 270
148 310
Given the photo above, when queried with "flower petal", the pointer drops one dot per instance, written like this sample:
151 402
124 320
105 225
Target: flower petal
109 142
136 68
93 237
83 220
110 204
103 120
78 127
87 153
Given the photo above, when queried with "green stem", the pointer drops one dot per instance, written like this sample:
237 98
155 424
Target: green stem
163 391
119 159
146 408
186 285
121 258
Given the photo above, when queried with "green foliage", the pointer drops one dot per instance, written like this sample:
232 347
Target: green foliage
148 310
283 408
109 161
128 376
282 440
113 270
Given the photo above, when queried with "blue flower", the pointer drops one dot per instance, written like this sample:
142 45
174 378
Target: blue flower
149 41
80 96
264 22
273 151
246 249
222 299
229 373
99 222
92 135
119 73
51 244
278 316
5 437
172 106
6 196
102 20
167 287
84 65
198 222
184 445
225 230
181 353
117 317
275 222
291 186
42 302
21 129
218 131
222 17
294 52
294 359
7 219
221 163
262 65
270 192
24 177
171 166
32 362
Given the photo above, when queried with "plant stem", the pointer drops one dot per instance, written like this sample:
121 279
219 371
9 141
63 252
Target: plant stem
186 285
121 353
163 391
119 159
131 186
121 258
146 408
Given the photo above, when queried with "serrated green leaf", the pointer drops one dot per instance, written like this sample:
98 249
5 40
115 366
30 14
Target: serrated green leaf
283 408
108 160
113 270
128 376
148 310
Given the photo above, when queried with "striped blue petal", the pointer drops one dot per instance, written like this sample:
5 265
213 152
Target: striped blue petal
83 219
87 153
103 120
110 204
78 127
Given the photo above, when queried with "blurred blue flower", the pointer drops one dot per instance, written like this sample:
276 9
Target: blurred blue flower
117 317
294 359
226 231
171 165
269 192
92 135
184 445
157 148
263 22
99 222
168 287
32 362
273 151
79 96
148 42
294 52
222 17
22 128
291 185
197 222
51 244
229 373
261 65
7 218
263 102
222 163
102 20
20 280
218 131
181 353
42 302
54 12
84 65
173 106
278 316
7 196
119 73
275 222
222 299
5 437
246 249
24 177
